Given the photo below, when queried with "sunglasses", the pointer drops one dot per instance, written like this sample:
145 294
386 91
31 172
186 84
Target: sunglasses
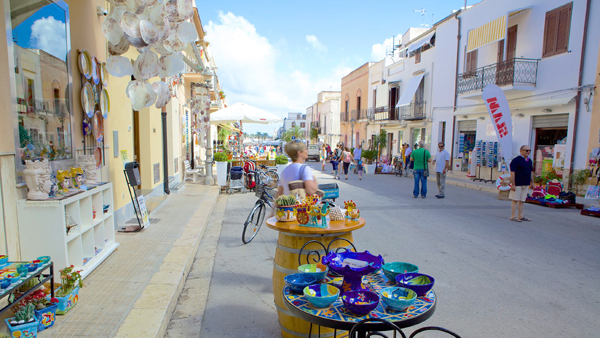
527 150
441 146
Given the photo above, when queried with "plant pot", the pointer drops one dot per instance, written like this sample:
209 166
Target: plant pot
281 168
24 330
222 173
46 317
67 302
285 214
370 168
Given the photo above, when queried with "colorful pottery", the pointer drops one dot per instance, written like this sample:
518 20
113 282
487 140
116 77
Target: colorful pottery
398 299
3 259
418 282
353 266
393 269
67 302
85 64
46 317
44 259
104 74
319 271
104 103
298 281
95 70
87 99
87 128
27 330
285 214
321 295
5 283
98 126
360 302
98 157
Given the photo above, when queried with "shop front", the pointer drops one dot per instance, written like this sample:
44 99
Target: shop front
549 143
465 143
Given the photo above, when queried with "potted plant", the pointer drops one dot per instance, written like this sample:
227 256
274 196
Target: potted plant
285 208
369 156
282 162
45 309
537 180
24 323
68 292
221 160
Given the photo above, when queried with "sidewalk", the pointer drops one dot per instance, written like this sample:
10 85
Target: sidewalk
133 292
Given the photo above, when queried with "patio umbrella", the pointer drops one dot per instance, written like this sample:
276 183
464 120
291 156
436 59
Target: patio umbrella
243 112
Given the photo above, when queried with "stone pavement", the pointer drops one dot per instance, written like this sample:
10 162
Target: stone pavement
133 292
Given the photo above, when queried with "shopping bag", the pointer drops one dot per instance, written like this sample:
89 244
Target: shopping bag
593 193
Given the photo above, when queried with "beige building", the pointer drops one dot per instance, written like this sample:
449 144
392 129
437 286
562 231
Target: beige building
353 115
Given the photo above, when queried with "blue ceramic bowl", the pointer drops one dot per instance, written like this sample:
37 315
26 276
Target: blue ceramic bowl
31 267
321 295
22 270
44 259
298 281
3 259
5 283
397 298
15 278
360 302
418 282
393 269
319 271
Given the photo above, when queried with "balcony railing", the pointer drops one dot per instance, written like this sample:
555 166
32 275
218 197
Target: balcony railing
509 72
362 114
414 111
384 114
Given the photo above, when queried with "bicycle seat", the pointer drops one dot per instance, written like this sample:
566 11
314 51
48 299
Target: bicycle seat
262 166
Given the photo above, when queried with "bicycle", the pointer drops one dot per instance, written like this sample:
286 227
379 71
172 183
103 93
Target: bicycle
257 215
264 174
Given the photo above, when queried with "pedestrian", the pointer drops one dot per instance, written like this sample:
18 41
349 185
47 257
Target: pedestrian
357 154
323 156
407 152
337 156
334 164
521 178
360 169
421 158
297 171
442 164
347 159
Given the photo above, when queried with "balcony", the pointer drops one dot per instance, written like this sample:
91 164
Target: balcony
384 114
519 73
414 111
362 114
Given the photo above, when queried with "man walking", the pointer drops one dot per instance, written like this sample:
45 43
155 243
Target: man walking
521 178
421 158
442 164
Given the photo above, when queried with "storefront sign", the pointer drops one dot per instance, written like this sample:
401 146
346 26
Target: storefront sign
143 211
497 106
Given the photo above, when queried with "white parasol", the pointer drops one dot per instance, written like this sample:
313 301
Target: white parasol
245 113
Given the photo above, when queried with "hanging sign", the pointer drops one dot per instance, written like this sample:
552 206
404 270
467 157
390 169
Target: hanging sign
497 106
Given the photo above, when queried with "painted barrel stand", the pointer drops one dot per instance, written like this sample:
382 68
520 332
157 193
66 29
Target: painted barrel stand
292 237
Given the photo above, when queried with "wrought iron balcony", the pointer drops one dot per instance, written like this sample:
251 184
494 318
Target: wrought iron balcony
414 111
384 114
510 72
362 114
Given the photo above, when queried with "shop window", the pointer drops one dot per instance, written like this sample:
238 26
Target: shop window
41 78
556 30
302 124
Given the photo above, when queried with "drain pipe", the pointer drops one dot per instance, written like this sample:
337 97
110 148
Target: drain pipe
455 87
580 80
163 114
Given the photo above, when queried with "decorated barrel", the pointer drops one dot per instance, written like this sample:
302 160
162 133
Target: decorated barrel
289 244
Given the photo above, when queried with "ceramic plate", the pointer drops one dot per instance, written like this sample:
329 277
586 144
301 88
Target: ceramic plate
87 128
104 103
95 70
87 99
85 64
98 126
104 74
98 157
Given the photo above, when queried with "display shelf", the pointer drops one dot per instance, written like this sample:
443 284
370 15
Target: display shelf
42 229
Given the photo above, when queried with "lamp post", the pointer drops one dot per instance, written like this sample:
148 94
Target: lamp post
208 179
352 123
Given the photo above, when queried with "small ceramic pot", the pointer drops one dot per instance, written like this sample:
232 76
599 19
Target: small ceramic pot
22 270
285 214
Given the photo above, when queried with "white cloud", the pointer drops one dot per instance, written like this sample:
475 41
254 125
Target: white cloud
379 50
49 35
315 43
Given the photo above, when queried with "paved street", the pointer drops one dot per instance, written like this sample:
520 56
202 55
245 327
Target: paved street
494 277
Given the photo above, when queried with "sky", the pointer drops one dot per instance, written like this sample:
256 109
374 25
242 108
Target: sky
45 30
278 55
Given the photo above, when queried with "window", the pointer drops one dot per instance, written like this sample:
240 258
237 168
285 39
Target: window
556 30
302 124
418 57
471 65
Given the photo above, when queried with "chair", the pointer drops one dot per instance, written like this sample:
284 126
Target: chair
362 325
433 328
189 171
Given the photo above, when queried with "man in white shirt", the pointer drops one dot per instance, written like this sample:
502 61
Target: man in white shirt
442 164
407 153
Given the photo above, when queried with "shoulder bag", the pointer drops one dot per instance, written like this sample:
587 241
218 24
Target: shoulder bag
426 170
297 187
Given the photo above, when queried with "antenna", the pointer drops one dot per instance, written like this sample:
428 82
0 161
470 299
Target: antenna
423 12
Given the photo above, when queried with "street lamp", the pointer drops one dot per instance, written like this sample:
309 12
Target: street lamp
208 179
352 123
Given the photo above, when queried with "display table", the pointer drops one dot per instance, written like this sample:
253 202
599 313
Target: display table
338 317
11 268
292 236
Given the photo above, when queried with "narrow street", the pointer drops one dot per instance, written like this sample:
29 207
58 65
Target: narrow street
494 277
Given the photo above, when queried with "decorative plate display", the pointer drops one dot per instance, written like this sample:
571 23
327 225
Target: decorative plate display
95 70
104 103
104 74
85 64
98 157
87 99
87 128
98 126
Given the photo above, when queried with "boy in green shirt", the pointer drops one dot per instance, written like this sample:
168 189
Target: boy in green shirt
421 158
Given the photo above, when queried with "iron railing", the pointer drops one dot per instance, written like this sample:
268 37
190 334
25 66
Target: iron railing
382 114
362 114
414 111
509 72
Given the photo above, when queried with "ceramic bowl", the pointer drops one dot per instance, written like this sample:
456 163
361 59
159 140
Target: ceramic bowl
321 295
397 298
360 302
317 270
285 214
418 282
5 283
298 281
3 259
22 270
32 267
14 277
44 259
393 269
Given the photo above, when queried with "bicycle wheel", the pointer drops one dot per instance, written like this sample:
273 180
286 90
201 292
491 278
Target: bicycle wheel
253 222
271 179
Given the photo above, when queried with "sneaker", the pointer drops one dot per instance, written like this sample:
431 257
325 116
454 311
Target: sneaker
438 196
422 196
415 196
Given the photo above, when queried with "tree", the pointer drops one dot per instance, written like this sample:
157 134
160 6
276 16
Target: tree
314 134
380 141
295 132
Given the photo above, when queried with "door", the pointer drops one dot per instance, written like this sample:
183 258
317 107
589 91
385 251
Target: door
511 51
500 61
390 145
392 103
136 139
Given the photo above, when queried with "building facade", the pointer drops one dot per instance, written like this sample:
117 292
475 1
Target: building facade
353 115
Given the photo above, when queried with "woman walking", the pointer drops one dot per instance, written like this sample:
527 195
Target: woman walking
323 156
347 159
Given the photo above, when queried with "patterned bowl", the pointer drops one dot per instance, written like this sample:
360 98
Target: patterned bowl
3 259
22 270
360 302
285 214
418 282
298 281
319 271
321 295
5 283
397 298
13 277
393 269
44 259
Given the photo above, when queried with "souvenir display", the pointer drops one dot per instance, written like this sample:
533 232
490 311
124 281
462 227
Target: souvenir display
77 178
351 211
87 99
98 157
63 177
87 128
85 64
95 70
104 74
98 126
104 103
37 178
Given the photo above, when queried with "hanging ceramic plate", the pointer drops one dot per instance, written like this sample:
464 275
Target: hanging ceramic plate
104 74
85 64
98 157
87 99
98 126
87 128
104 103
95 70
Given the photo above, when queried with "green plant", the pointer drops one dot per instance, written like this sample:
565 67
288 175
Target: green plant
25 313
537 179
578 178
314 134
223 134
286 201
220 157
295 132
549 176
369 155
281 159
70 280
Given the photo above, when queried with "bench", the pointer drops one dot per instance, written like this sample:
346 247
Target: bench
189 171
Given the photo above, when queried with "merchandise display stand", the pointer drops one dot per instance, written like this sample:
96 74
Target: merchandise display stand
47 277
136 208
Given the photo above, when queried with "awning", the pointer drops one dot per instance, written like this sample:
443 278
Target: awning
484 35
557 100
421 42
410 90
515 12
226 126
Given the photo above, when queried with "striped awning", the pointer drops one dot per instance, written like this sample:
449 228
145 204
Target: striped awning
484 35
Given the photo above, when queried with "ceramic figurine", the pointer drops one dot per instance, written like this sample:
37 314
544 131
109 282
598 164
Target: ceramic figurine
63 177
351 211
37 178
75 181
88 164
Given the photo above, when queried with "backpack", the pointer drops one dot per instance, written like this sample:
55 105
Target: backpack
348 157
538 192
554 188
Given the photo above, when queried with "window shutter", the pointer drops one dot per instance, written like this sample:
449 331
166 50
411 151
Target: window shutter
472 61
550 33
468 66
564 25
418 57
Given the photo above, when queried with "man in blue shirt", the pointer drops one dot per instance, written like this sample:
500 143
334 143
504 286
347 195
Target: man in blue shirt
521 179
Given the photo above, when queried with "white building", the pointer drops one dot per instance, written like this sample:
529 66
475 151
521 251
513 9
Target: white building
325 116
294 119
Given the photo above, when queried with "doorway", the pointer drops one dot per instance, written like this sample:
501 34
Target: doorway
136 140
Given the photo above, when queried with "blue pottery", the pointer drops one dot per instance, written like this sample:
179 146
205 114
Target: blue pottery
46 317
3 259
319 271
44 259
15 278
393 269
360 302
31 267
24 330
321 295
298 281
397 298
22 270
5 283
418 282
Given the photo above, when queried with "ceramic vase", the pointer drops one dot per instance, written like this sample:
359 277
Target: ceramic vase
37 178
67 302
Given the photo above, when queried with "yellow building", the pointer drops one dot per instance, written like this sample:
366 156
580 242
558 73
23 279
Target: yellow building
353 109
